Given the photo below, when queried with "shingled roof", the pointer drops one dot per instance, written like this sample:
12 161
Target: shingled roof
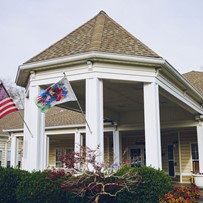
56 116
12 120
195 78
101 34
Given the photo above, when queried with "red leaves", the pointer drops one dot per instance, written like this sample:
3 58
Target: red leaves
78 178
182 194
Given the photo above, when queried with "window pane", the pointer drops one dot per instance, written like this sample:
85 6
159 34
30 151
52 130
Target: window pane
170 152
8 164
8 155
195 154
195 166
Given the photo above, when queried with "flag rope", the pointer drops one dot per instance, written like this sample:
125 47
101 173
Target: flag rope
79 105
26 124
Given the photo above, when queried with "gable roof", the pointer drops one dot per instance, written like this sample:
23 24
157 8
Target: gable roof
12 120
56 116
195 78
101 34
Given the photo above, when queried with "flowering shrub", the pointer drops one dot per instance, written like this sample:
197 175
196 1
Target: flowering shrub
85 178
182 194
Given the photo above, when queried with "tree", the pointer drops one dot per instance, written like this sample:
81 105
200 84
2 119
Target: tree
15 92
86 178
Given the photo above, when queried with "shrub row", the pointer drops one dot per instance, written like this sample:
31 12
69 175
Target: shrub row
9 181
23 187
152 188
18 186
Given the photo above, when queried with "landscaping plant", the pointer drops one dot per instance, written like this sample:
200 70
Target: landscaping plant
87 179
155 183
9 181
34 187
182 194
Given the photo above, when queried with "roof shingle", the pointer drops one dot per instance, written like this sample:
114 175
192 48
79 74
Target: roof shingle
195 78
101 34
56 116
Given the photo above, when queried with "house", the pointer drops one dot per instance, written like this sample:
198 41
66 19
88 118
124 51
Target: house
59 121
135 102
7 123
4 150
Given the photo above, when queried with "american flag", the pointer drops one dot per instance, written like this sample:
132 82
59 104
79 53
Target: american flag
6 103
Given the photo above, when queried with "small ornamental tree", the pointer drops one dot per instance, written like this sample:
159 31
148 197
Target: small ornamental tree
87 178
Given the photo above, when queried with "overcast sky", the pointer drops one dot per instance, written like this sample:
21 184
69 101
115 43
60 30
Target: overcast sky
172 28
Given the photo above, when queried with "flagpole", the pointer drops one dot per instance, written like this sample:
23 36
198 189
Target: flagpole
16 109
25 124
79 106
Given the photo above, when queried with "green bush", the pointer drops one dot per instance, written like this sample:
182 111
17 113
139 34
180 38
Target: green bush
36 188
153 186
18 186
9 181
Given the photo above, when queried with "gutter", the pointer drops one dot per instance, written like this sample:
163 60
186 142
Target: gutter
88 56
110 57
56 127
13 130
83 58
65 126
175 73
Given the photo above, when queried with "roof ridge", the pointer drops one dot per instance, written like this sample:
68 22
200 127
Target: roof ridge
133 37
98 31
75 30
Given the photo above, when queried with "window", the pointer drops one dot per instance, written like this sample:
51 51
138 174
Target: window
171 165
59 152
0 158
170 152
19 160
8 164
195 158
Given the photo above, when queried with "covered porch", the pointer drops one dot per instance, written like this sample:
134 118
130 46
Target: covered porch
119 82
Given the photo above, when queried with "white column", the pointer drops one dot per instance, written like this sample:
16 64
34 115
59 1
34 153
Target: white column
47 150
152 125
78 141
200 145
94 116
14 150
34 137
116 147
6 154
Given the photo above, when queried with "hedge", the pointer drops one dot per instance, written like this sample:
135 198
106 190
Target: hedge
36 188
9 181
18 186
155 183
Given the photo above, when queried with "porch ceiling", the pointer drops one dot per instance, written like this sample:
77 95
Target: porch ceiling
120 97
